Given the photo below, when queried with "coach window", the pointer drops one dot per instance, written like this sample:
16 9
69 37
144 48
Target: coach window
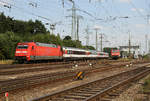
79 52
69 52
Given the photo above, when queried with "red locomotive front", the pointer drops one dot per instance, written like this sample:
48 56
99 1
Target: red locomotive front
23 51
115 53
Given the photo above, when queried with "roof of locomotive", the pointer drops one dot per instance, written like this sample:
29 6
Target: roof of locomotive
39 44
45 44
25 43
115 50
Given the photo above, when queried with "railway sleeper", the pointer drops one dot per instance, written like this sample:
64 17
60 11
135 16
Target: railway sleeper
85 92
110 96
94 89
74 97
105 99
62 99
90 91
113 94
80 94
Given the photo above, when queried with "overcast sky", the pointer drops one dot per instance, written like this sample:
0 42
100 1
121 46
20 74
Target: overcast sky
113 14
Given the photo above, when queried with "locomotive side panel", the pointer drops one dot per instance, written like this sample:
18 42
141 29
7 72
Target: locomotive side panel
45 53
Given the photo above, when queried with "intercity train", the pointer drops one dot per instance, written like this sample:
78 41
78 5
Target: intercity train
34 51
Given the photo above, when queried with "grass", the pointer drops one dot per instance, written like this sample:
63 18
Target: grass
146 57
146 86
138 99
145 89
6 61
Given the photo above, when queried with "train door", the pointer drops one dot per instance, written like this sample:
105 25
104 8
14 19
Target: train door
60 52
33 53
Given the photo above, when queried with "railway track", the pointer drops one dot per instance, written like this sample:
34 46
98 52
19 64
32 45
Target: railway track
17 70
18 83
13 66
42 68
99 90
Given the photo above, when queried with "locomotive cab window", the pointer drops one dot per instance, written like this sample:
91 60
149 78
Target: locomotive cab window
22 46
115 50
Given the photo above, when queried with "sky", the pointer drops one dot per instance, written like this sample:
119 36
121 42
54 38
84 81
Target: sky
115 19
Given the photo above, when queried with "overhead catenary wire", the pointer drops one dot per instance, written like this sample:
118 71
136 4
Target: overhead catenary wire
148 7
120 15
136 9
84 11
21 9
106 11
108 15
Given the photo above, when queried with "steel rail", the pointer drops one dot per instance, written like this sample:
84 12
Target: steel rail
12 84
99 95
44 68
10 66
94 92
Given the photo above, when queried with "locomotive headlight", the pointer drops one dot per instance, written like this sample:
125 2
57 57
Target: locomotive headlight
18 51
24 51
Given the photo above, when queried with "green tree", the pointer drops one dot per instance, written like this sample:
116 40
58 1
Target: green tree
6 23
67 38
8 42
21 27
89 47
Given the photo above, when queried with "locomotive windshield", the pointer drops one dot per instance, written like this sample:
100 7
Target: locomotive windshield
22 46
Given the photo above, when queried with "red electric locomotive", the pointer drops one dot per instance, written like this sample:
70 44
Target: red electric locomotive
115 53
28 51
